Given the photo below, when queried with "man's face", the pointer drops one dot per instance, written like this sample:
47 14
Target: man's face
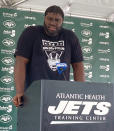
53 23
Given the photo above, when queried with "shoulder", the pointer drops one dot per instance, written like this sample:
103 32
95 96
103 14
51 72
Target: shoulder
68 32
33 28
31 32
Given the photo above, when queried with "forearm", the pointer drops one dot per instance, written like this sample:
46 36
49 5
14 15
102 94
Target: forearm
19 76
79 75
78 71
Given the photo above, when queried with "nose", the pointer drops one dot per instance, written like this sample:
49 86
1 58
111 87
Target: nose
53 22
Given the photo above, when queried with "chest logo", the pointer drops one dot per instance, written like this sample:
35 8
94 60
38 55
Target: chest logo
53 51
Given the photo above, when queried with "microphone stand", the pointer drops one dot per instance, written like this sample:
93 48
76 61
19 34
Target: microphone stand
64 76
63 73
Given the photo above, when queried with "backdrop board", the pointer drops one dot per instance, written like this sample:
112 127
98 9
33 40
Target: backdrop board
67 106
96 39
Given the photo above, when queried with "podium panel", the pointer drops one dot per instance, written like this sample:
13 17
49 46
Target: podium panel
52 105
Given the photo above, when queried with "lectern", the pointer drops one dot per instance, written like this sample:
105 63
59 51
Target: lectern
52 105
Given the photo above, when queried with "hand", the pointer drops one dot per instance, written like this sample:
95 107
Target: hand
17 100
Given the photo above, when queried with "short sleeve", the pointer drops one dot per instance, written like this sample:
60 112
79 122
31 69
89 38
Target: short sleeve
25 43
76 52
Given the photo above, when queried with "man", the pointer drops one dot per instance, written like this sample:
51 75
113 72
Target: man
39 48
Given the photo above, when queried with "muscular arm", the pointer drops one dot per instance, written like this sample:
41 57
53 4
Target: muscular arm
19 78
78 71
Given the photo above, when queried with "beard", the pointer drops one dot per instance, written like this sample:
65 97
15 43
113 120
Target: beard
50 32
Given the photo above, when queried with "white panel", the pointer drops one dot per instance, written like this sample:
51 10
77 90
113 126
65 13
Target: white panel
92 8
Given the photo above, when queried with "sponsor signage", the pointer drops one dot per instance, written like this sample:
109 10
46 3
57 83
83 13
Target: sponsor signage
9 24
30 17
7 52
78 106
86 33
86 24
10 15
6 128
7 61
8 108
6 89
5 118
87 66
9 70
68 106
6 79
104 34
5 99
9 32
102 51
27 25
88 41
86 49
8 42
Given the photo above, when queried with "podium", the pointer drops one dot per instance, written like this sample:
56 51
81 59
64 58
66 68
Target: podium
52 105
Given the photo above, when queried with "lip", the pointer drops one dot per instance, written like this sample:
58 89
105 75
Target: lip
52 28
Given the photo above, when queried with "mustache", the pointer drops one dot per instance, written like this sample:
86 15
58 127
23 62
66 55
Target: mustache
52 33
52 25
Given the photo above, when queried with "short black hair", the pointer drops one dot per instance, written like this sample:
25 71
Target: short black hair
54 9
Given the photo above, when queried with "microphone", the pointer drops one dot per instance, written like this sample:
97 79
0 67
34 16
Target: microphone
22 101
61 67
